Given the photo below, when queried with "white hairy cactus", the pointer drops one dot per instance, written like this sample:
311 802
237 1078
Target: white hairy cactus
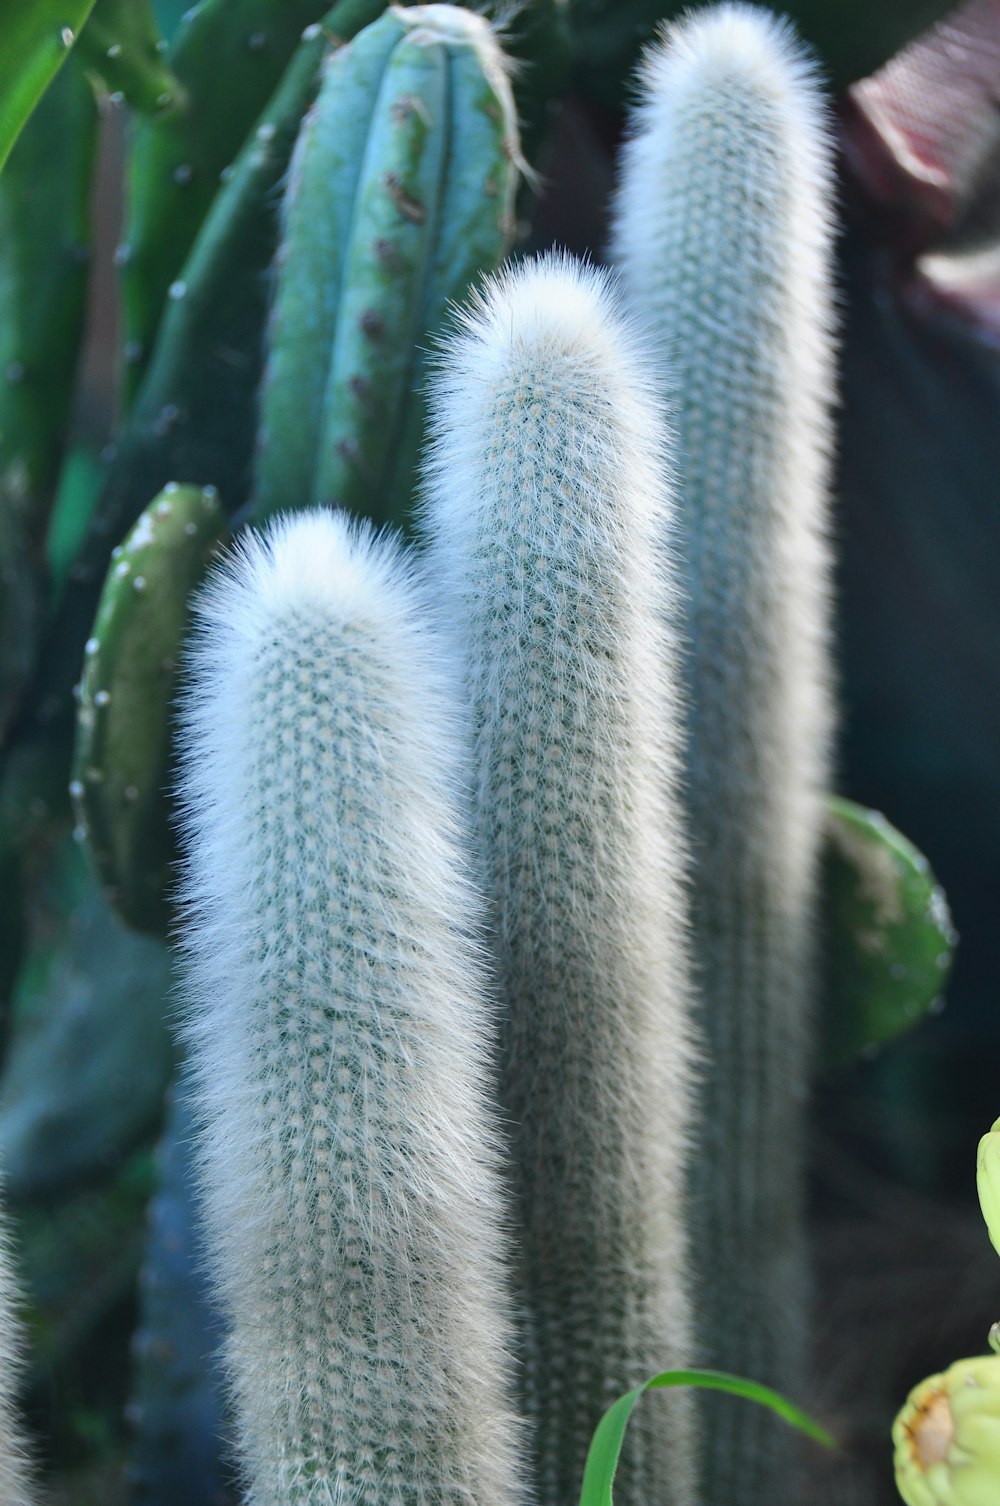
338 1034
15 1484
549 507
722 236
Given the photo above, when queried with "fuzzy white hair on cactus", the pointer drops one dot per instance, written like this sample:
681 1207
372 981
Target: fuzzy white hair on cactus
549 508
15 1479
338 1032
722 232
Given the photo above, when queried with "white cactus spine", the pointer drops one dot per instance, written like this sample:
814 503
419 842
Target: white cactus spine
722 235
15 1481
550 519
336 1021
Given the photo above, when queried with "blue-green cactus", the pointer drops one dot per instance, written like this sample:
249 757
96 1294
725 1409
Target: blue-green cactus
401 193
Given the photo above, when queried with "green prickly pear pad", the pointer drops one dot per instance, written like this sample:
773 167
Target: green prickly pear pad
888 933
122 756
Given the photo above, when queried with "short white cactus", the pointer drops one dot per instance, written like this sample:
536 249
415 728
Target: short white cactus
338 1032
722 235
550 511
15 1481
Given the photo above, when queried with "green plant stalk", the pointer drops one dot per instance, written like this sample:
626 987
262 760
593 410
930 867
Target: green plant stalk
228 57
722 235
195 416
402 193
549 514
338 1028
44 259
122 49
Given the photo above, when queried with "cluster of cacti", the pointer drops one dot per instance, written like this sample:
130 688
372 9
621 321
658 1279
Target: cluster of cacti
490 857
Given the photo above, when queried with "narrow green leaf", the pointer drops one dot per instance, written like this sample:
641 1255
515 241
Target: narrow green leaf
35 37
606 1444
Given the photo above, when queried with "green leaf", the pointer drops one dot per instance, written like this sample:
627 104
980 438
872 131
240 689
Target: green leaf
889 936
609 1435
35 38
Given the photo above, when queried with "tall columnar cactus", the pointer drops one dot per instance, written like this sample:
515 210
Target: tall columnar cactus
15 1485
550 506
338 1029
722 236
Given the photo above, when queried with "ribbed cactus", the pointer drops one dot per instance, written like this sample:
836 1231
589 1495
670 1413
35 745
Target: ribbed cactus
401 193
550 507
15 1485
338 1030
722 236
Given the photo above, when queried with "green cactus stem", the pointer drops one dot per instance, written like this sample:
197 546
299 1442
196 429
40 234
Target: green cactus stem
337 1030
195 416
228 57
15 1479
122 50
722 236
550 512
122 759
44 257
401 193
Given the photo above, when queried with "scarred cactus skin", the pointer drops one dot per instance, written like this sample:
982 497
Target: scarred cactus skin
15 1483
550 514
338 1029
401 194
722 234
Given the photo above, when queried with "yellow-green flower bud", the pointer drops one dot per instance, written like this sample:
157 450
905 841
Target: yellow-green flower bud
947 1437
988 1182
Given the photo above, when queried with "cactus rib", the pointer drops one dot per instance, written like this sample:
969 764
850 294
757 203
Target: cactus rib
402 193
